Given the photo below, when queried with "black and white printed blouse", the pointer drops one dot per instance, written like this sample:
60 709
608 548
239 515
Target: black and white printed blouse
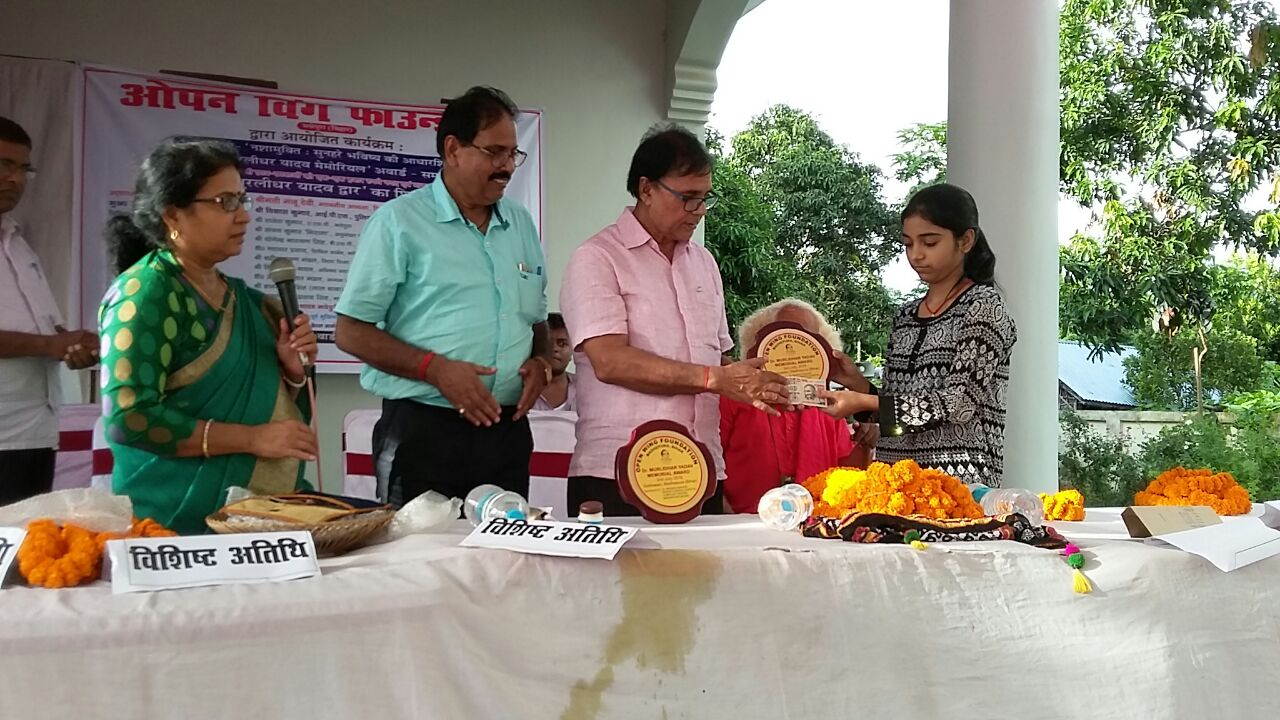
942 400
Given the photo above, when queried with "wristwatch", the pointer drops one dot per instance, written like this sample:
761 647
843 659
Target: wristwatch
545 366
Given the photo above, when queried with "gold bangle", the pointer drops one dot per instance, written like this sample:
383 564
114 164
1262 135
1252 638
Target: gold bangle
204 444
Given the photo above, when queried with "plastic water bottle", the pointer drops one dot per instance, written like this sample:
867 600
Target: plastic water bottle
1003 501
784 508
490 501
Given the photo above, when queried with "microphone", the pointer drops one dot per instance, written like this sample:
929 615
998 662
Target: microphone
282 273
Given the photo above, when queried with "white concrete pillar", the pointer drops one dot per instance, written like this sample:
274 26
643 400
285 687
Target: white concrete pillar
1002 146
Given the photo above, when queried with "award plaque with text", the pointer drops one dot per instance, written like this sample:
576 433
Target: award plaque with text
665 473
793 352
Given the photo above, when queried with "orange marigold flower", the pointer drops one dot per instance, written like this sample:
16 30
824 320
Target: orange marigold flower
900 489
1180 486
1065 505
57 556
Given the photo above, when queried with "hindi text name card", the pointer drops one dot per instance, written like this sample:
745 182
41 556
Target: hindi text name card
167 563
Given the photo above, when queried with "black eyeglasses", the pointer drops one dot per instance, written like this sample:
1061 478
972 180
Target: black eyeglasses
691 202
230 202
9 168
500 157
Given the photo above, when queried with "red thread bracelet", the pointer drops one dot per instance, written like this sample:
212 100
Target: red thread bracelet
422 366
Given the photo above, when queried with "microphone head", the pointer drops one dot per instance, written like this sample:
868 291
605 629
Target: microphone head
281 270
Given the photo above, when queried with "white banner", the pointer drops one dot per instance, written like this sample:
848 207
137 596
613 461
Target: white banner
316 167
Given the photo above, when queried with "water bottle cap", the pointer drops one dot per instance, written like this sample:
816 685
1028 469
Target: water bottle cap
978 491
788 506
515 514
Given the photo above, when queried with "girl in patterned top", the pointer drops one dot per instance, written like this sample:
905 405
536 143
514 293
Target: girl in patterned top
946 370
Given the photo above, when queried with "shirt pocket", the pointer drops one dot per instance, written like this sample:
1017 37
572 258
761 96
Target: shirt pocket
703 316
531 296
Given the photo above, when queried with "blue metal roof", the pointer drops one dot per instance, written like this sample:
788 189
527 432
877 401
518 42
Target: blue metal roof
1099 380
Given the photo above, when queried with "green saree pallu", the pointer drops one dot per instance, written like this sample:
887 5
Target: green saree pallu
229 373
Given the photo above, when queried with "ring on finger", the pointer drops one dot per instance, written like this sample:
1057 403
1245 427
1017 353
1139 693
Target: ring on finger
462 411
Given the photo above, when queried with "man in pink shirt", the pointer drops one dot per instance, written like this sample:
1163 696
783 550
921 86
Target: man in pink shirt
645 313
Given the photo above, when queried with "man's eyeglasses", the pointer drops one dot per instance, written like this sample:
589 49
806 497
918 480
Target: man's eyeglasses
691 202
229 202
500 157
9 168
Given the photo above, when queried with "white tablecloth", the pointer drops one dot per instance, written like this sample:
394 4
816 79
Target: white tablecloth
726 619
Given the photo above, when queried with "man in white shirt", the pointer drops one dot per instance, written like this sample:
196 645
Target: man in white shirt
32 340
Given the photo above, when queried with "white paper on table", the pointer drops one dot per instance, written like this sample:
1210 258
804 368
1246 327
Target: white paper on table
1271 514
1229 546
169 563
561 539
10 540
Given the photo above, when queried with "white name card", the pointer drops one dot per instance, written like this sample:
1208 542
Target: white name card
1144 521
168 563
561 539
1271 514
10 540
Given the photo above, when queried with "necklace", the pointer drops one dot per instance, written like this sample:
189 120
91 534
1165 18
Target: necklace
216 306
959 288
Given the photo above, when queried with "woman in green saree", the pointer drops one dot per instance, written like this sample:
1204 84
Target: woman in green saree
200 375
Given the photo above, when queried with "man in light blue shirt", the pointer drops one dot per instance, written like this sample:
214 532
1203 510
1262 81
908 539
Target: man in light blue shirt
446 304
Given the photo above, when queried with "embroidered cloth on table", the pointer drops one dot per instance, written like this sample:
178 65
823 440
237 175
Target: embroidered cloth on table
882 528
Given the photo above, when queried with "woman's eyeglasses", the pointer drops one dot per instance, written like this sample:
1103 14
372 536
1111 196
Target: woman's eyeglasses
229 202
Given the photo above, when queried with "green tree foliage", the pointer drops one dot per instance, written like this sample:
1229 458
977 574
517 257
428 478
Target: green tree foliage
1162 374
1097 465
740 233
827 235
1171 126
1243 337
923 159
1246 296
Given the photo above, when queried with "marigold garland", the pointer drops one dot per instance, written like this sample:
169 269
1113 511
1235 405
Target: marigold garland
904 488
1066 505
55 556
1180 486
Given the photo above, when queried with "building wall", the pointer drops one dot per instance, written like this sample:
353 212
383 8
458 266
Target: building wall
1136 427
596 69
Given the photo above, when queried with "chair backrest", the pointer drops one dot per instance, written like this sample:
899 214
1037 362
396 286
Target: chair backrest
103 461
358 479
74 463
553 444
